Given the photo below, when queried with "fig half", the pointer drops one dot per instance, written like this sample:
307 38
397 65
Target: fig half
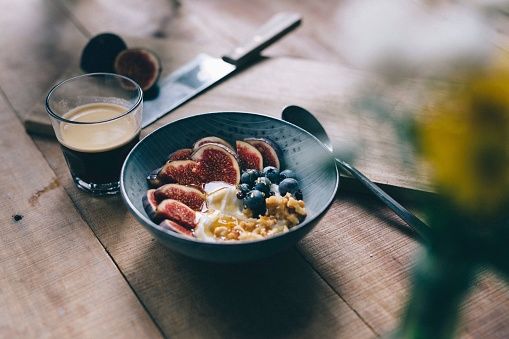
178 212
149 202
184 172
249 156
181 154
139 64
217 163
100 53
211 140
191 196
271 153
175 227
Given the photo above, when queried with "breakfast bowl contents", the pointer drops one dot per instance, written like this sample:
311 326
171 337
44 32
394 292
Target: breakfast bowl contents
200 193
229 187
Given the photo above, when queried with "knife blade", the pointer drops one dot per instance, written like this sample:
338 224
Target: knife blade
204 71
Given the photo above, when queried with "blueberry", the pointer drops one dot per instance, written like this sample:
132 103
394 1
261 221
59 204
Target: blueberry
262 184
245 178
255 201
287 174
298 195
249 176
272 174
288 185
244 188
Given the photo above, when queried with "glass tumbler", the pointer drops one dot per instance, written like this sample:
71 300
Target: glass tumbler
97 121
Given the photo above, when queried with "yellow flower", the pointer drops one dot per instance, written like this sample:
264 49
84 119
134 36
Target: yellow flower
465 138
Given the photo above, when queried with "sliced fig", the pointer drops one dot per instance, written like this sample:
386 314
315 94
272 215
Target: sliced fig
140 65
191 196
150 204
100 52
212 140
176 211
217 163
177 228
271 153
153 178
184 172
181 154
249 156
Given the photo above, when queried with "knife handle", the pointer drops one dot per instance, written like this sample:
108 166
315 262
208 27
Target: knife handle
278 26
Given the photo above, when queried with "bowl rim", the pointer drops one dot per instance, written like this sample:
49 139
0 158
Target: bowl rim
146 221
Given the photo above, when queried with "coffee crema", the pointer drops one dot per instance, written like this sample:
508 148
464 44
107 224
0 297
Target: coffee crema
97 137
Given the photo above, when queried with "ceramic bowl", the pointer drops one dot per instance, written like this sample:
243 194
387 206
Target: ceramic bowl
302 152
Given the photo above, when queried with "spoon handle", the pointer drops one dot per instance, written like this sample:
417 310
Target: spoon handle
415 223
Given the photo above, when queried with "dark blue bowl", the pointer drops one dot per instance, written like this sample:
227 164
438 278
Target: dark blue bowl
302 152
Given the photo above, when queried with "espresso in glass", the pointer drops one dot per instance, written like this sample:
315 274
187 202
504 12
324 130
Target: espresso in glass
97 120
95 153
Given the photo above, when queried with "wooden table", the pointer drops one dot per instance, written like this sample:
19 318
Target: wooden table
74 265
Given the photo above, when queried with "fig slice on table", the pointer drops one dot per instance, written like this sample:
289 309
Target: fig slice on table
217 163
271 153
139 64
184 172
175 227
249 156
211 140
191 196
181 154
100 52
178 212
149 202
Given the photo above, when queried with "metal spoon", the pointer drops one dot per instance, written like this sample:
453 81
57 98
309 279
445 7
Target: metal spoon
307 121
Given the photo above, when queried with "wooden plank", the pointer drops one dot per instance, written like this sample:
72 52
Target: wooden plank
490 295
55 277
362 251
42 43
317 39
215 22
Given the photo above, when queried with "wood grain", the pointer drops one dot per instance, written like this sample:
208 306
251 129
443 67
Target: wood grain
42 43
348 278
366 255
55 277
223 23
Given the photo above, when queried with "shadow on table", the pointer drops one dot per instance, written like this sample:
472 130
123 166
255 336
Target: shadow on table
280 296
376 208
